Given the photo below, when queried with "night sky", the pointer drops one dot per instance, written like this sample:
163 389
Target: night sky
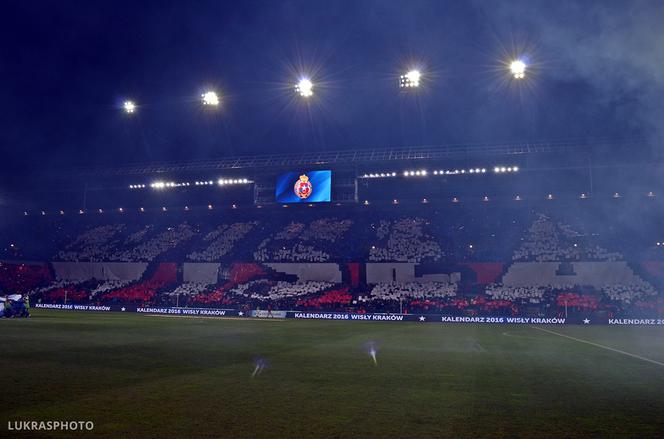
595 71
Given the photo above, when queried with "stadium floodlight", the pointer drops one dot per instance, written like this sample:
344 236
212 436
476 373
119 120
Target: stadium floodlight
518 69
305 88
410 79
129 107
210 98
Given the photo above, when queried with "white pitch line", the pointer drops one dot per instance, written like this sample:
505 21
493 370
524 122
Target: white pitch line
600 346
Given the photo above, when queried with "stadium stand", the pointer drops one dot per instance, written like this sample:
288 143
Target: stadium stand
320 241
21 278
404 240
94 244
508 262
221 240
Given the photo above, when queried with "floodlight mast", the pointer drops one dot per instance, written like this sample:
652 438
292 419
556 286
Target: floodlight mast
305 88
518 69
410 79
210 98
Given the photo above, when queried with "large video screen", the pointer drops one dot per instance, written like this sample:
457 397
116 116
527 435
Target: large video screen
304 187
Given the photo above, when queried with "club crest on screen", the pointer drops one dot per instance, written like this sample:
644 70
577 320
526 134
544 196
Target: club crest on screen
303 187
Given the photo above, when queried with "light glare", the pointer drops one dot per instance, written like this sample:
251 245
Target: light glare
410 79
518 69
305 88
210 98
129 107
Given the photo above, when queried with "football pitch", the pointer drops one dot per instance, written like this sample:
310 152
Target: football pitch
150 376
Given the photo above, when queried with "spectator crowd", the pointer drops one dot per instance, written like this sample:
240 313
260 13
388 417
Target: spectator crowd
410 239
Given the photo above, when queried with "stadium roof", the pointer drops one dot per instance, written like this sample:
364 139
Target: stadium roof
359 156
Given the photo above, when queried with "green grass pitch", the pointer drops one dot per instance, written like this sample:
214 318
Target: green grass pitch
149 376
